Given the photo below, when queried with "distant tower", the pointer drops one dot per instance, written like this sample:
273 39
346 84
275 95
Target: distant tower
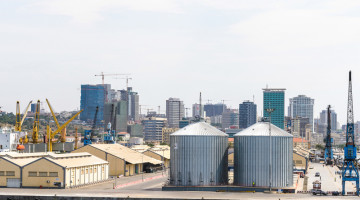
247 114
175 111
275 99
302 106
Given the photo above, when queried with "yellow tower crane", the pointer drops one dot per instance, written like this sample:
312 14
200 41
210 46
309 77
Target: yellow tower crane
35 133
20 121
49 133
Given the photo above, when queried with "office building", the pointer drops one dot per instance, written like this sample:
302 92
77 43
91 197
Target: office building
302 106
133 103
275 99
115 112
135 130
214 109
91 97
153 129
247 114
174 112
166 134
230 117
299 125
333 118
196 111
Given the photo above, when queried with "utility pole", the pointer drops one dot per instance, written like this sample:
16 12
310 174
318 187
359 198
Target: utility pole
270 110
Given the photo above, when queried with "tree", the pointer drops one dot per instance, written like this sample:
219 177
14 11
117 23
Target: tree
319 147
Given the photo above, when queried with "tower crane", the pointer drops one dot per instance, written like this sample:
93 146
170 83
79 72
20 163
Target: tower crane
51 134
35 133
350 171
328 146
89 134
103 80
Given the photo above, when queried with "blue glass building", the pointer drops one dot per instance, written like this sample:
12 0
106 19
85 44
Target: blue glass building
92 96
247 114
275 98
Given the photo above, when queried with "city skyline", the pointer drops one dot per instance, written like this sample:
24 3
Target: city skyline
50 48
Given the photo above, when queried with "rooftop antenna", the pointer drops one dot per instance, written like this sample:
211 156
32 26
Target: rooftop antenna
200 107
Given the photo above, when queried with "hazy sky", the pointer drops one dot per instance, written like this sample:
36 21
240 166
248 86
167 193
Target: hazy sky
225 49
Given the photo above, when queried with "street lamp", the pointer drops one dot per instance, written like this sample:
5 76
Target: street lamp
270 110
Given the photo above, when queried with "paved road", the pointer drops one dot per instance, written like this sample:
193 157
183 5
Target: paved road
329 180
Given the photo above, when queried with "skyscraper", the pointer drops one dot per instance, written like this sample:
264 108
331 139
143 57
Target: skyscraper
247 114
196 110
333 117
230 117
133 103
153 129
302 106
91 97
214 109
275 99
116 111
174 111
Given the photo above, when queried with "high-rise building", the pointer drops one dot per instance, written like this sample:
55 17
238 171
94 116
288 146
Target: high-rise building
196 110
302 106
174 111
33 107
247 114
91 97
116 111
230 117
299 125
153 129
333 118
214 109
133 103
275 99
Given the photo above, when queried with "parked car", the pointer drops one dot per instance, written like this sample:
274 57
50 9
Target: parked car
311 167
315 192
317 174
335 193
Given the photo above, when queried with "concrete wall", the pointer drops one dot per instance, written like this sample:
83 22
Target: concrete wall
8 166
42 165
116 166
84 175
32 148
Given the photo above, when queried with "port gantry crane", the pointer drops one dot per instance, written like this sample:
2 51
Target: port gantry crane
350 171
89 134
328 146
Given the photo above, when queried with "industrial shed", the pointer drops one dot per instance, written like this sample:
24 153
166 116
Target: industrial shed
162 154
122 160
49 170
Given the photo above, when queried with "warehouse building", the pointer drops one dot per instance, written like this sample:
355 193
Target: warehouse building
49 170
160 153
122 160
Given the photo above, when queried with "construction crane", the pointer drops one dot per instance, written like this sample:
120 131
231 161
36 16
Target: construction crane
35 133
89 134
103 80
109 138
349 170
51 134
328 147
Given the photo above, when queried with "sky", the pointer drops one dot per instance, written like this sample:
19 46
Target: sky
226 49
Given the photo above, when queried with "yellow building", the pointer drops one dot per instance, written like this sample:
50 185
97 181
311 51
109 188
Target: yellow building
161 153
122 160
49 170
300 160
166 134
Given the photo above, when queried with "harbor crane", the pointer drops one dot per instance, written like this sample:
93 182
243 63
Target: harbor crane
350 171
89 134
35 133
328 146
51 134
20 121
109 138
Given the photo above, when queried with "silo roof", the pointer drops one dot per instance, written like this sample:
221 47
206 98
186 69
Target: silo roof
262 129
200 128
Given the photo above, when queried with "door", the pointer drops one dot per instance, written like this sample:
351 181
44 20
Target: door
13 182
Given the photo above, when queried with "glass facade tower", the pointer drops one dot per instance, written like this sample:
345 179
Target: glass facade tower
275 99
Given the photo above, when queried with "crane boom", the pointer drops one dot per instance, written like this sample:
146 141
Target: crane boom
19 120
53 114
350 171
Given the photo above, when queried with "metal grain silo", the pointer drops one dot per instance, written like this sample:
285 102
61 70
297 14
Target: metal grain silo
198 156
252 157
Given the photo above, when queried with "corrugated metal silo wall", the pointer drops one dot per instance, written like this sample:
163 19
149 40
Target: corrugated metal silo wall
251 161
198 160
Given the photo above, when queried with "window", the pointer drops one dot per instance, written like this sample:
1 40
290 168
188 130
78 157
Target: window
53 174
90 170
32 174
10 173
87 171
43 174
298 161
102 169
2 173
95 170
82 171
